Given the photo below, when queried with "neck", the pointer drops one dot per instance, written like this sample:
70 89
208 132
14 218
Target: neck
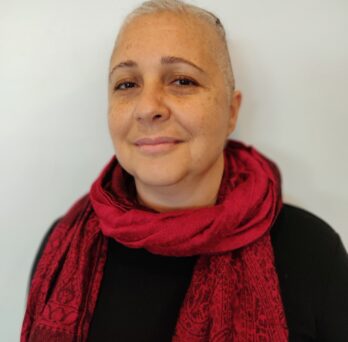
195 192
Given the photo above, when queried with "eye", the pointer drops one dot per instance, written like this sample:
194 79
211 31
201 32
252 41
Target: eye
124 86
185 82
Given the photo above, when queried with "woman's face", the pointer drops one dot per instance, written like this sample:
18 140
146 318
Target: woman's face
170 111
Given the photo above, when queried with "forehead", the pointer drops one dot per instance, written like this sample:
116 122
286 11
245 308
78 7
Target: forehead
164 34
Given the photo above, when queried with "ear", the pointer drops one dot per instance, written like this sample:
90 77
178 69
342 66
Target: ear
236 100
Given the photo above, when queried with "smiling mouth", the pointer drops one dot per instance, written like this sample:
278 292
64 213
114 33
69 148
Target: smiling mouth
156 148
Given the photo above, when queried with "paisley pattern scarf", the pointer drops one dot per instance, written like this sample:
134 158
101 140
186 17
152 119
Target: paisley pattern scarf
234 291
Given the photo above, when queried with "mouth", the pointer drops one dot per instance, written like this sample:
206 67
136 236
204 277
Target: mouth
157 145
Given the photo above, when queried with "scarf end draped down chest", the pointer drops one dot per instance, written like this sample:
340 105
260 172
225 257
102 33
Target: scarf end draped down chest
234 292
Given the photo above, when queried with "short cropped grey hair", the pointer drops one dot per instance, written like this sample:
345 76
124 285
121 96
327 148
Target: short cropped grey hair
180 7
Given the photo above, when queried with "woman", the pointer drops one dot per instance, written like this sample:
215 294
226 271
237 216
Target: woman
184 235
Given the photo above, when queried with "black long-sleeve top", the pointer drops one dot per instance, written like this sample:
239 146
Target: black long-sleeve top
141 293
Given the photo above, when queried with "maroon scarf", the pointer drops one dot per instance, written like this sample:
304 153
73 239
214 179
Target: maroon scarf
234 292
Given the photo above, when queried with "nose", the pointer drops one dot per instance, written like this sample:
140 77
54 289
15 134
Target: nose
150 107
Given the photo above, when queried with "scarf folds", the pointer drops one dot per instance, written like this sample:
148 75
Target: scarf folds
234 292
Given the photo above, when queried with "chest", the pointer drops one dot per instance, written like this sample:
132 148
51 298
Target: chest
141 295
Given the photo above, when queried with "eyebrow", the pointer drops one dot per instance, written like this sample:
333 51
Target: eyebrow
165 60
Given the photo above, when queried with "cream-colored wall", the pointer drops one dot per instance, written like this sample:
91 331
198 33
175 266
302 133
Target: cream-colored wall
291 62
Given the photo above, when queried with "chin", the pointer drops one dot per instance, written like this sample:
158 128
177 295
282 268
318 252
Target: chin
159 179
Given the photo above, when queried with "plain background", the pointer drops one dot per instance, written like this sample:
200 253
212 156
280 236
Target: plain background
291 63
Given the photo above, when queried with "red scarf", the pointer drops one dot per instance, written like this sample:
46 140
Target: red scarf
234 292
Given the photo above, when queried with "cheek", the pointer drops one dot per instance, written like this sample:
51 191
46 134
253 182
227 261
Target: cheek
221 115
117 121
214 120
204 118
113 126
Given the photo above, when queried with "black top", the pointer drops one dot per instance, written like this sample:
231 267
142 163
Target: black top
141 293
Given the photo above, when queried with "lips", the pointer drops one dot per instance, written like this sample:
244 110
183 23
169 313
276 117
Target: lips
157 146
156 141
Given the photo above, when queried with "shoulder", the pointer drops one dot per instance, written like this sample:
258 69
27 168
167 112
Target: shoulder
304 245
312 266
303 242
296 227
293 215
60 230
